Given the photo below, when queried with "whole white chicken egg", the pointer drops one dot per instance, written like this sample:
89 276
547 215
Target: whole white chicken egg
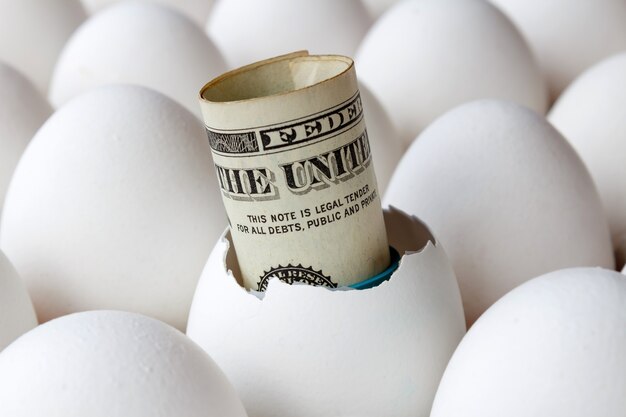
33 32
312 352
17 315
111 364
568 36
553 347
22 111
508 196
114 205
197 10
424 57
591 114
250 30
139 43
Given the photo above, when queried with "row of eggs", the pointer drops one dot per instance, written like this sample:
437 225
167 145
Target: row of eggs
97 224
155 46
565 39
551 347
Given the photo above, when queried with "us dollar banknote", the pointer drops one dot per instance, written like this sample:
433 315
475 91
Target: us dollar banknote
294 166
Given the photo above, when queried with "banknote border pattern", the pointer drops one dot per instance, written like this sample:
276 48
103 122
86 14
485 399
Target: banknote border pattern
252 141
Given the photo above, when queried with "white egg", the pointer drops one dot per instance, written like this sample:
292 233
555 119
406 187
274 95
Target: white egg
385 142
424 57
312 352
17 315
568 36
114 205
196 10
138 43
111 364
250 30
554 347
33 32
591 114
507 195
22 112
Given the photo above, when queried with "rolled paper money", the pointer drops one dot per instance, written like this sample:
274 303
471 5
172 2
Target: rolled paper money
295 170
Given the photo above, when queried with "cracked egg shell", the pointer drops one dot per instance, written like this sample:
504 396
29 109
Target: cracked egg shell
553 347
313 352
17 314
111 364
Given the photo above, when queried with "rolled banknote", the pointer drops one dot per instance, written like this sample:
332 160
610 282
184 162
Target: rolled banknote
295 170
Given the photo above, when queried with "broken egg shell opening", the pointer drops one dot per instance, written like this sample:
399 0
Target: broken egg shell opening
301 343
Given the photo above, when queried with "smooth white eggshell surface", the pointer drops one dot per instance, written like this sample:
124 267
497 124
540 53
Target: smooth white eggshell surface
424 57
385 142
22 111
507 195
250 30
17 315
378 7
568 36
312 352
111 364
197 10
553 347
33 32
114 205
591 114
140 43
